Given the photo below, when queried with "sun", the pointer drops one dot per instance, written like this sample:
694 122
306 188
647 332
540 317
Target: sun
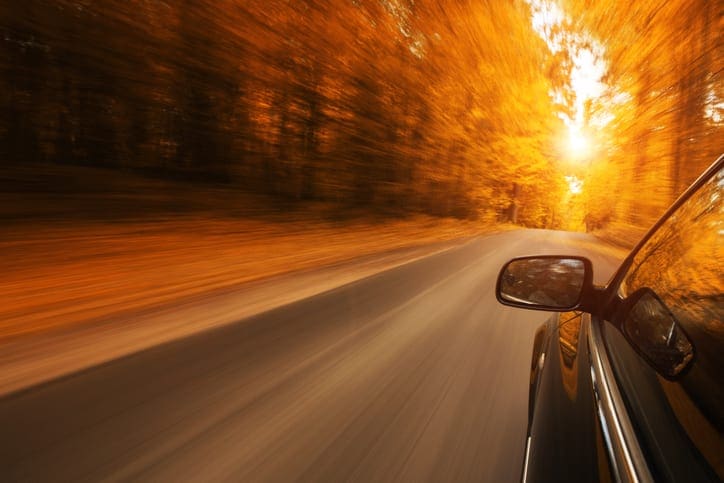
578 144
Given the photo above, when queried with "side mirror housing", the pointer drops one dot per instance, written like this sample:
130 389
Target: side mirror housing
657 336
547 282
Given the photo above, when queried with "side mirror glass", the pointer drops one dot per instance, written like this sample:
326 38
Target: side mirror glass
555 283
656 334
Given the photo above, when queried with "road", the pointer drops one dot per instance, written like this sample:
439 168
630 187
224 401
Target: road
413 374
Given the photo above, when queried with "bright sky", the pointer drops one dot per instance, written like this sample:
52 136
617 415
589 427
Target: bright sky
586 80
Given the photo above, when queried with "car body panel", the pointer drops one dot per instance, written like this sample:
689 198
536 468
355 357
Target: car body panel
566 443
598 411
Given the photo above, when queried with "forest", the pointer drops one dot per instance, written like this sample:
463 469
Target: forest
581 114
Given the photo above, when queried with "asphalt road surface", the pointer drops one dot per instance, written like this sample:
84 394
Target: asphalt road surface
413 374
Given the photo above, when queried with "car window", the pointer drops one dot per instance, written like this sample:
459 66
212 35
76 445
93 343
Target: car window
682 264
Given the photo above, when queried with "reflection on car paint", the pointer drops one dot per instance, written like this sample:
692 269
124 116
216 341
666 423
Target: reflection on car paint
682 264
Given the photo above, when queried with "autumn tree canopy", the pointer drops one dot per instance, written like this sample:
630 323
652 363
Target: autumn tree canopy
449 107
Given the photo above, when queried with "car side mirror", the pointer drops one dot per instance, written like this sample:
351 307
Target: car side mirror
553 283
655 334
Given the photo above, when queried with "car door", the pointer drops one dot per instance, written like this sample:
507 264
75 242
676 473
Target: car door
564 440
664 339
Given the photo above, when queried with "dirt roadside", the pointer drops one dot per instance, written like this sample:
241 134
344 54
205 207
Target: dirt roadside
77 296
60 276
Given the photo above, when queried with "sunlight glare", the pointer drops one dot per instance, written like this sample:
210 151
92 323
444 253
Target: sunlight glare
575 185
578 143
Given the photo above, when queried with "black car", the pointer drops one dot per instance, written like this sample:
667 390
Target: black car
627 383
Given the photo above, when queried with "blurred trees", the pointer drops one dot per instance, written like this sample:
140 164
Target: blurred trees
665 100
438 106
393 105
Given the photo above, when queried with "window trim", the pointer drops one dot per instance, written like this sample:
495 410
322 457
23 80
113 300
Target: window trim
627 458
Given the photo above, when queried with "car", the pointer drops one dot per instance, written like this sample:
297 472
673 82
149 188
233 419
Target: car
627 379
